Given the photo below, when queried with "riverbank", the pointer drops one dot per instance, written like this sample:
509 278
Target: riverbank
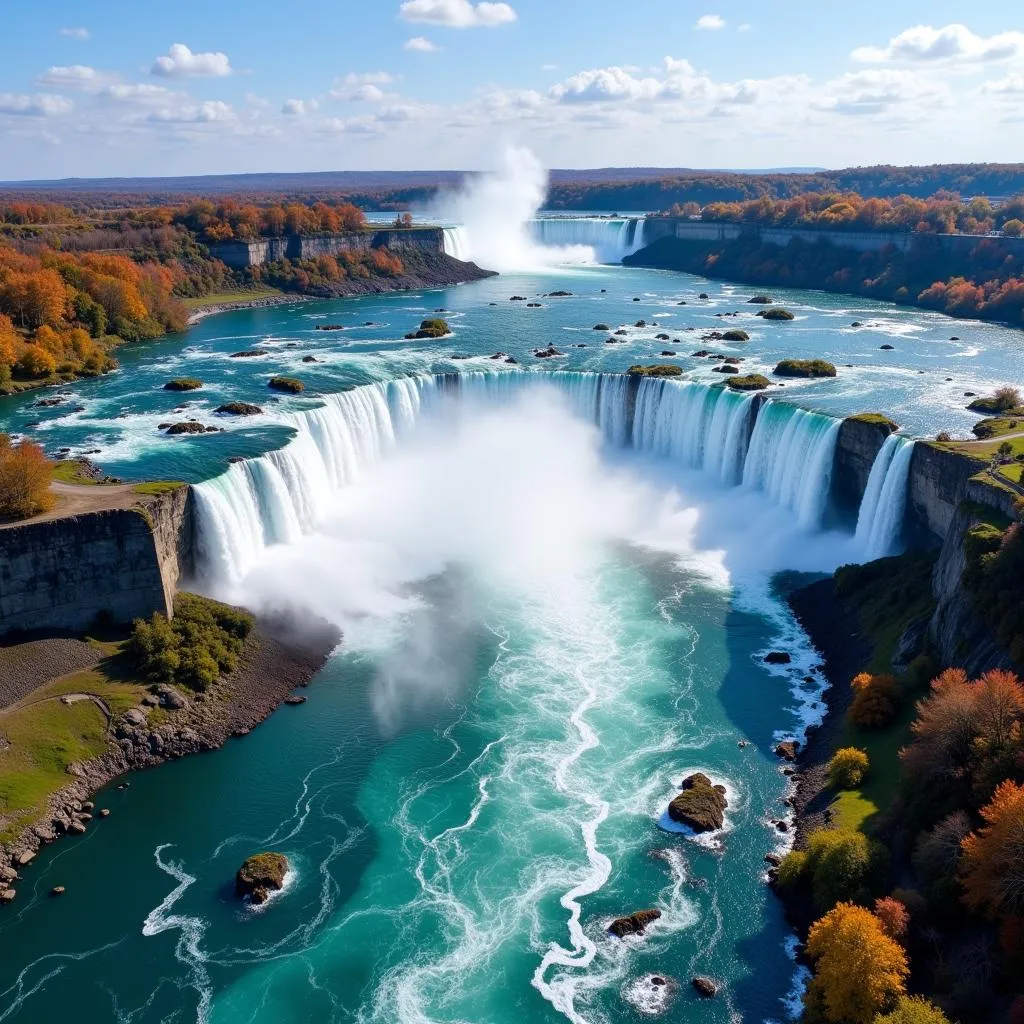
142 726
200 310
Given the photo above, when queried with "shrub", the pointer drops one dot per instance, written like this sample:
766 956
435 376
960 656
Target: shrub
913 1010
202 643
847 768
844 865
805 368
289 384
894 917
793 869
875 700
1004 399
25 476
858 970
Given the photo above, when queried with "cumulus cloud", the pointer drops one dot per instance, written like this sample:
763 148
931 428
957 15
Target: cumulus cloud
457 13
40 105
142 93
617 84
181 62
368 124
293 108
1011 85
363 88
75 33
953 44
207 112
881 91
710 23
77 76
419 45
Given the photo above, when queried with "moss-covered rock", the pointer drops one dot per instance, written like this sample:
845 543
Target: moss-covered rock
659 370
288 384
805 368
1004 400
776 313
876 419
249 353
751 382
701 804
433 327
183 384
260 875
239 409
190 427
735 335
761 300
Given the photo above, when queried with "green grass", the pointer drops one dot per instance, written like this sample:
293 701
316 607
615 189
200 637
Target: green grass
69 471
1012 471
154 488
875 419
217 298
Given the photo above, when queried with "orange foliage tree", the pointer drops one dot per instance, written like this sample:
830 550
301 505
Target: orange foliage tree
893 915
25 475
875 700
992 867
859 970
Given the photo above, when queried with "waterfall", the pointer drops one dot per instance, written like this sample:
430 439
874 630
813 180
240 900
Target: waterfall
779 449
456 244
790 458
880 520
610 238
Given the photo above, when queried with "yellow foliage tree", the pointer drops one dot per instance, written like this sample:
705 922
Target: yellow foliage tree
859 971
25 475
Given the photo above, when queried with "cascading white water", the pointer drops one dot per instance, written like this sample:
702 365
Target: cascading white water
611 238
280 496
456 244
790 458
700 426
882 509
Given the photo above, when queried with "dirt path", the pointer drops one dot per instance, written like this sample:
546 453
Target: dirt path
64 698
77 499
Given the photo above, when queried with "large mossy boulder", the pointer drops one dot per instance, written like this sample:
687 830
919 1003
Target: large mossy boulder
701 804
751 382
805 368
735 335
287 384
658 370
434 327
238 409
761 300
260 875
776 313
183 384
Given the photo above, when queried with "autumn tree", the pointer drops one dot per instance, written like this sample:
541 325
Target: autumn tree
875 700
913 1010
847 768
25 475
992 868
859 971
894 917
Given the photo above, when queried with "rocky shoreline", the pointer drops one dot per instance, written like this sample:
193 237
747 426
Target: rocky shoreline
202 312
276 660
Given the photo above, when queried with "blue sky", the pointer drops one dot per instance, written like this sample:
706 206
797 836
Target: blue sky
120 88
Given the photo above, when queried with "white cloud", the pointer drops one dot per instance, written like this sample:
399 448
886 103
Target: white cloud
457 13
366 125
293 108
75 33
953 44
181 62
77 76
143 93
1011 85
367 94
42 104
881 91
363 88
195 113
419 45
710 23
369 78
398 113
617 84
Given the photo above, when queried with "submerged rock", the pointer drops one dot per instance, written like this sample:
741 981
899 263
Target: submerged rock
260 875
633 924
705 987
701 804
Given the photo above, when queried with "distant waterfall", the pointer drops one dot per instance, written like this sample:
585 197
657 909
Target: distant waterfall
790 458
611 238
882 509
456 244
779 449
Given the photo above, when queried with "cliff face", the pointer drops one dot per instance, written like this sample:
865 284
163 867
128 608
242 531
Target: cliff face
125 563
293 247
857 446
937 485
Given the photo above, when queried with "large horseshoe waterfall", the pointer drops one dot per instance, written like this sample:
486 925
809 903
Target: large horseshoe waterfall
738 439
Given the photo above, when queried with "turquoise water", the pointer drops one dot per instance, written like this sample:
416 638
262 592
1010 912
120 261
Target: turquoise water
544 635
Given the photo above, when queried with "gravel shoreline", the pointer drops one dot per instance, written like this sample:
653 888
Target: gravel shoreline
276 660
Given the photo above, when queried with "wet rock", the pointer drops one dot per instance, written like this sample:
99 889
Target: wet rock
886 348
25 858
703 295
295 699
7 895
701 804
261 875
57 890
705 987
787 750
76 828
633 924
104 812
668 352
856 323
187 427
601 327
773 859
778 658
252 353
241 408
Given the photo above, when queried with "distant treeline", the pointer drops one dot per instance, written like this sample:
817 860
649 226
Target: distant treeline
609 189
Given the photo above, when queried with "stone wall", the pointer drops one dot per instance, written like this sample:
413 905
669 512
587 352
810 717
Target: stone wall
60 574
863 241
293 247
